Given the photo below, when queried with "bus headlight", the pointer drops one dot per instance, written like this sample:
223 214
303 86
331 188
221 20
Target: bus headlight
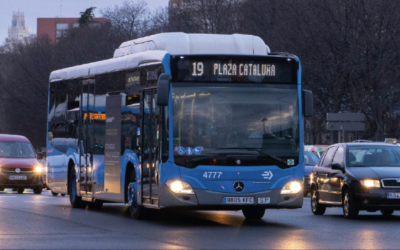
38 169
179 187
371 183
293 187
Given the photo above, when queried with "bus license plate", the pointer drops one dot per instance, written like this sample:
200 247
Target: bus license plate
391 195
18 177
238 200
264 200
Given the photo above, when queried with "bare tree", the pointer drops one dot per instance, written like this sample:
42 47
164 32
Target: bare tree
129 19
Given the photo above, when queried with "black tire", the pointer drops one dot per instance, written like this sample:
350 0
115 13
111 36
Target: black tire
316 208
54 194
76 201
387 212
1 189
136 211
20 190
349 209
38 190
305 193
95 205
62 194
254 213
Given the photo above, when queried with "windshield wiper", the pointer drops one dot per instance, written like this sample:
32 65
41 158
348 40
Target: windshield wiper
265 154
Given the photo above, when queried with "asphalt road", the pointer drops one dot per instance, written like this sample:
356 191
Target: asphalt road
29 221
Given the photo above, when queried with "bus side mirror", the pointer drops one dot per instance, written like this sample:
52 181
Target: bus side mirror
308 103
163 89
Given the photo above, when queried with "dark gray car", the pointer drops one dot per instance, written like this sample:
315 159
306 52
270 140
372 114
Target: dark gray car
357 176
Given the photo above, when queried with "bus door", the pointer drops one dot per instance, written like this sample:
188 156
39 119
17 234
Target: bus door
87 136
150 146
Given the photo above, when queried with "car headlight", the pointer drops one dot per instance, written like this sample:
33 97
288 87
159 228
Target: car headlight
38 169
293 187
371 183
179 187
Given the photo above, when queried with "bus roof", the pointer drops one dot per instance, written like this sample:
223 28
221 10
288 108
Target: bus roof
185 44
152 49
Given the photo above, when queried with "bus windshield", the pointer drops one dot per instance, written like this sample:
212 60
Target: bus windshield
231 123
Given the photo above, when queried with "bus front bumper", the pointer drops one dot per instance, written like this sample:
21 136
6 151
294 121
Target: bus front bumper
210 200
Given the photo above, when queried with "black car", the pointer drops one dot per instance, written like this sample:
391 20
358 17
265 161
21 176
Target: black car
357 176
310 160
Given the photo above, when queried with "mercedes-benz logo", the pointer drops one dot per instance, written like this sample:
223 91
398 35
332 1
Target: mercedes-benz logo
238 186
17 170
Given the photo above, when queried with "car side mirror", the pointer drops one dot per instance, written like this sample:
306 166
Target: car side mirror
40 155
337 166
163 89
308 103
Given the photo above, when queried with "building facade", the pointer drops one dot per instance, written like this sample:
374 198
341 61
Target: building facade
55 28
18 30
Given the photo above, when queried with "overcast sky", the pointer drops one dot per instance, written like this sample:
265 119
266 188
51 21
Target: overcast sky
51 8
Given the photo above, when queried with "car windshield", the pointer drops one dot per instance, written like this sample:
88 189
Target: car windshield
373 155
13 149
235 119
310 158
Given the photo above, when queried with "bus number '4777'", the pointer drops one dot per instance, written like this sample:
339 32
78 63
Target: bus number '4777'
213 175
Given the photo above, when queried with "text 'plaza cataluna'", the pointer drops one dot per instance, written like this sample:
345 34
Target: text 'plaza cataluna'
231 69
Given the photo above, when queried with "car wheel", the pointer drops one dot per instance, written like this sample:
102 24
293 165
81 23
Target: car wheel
349 209
54 194
253 213
76 201
20 190
316 208
137 212
37 190
305 193
62 194
387 212
1 189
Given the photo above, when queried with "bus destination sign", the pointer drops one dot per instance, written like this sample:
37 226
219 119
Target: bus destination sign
241 69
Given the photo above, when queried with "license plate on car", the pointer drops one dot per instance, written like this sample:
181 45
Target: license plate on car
391 195
18 177
238 200
264 200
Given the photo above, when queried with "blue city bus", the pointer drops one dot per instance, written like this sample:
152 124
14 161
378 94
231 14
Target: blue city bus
181 121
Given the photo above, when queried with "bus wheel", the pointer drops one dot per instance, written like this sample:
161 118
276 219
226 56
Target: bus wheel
54 194
38 190
76 201
137 212
254 213
387 212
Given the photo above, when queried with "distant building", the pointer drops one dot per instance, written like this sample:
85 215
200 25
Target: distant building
55 28
18 30
174 3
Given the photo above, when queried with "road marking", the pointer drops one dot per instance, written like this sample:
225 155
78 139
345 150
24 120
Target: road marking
36 201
